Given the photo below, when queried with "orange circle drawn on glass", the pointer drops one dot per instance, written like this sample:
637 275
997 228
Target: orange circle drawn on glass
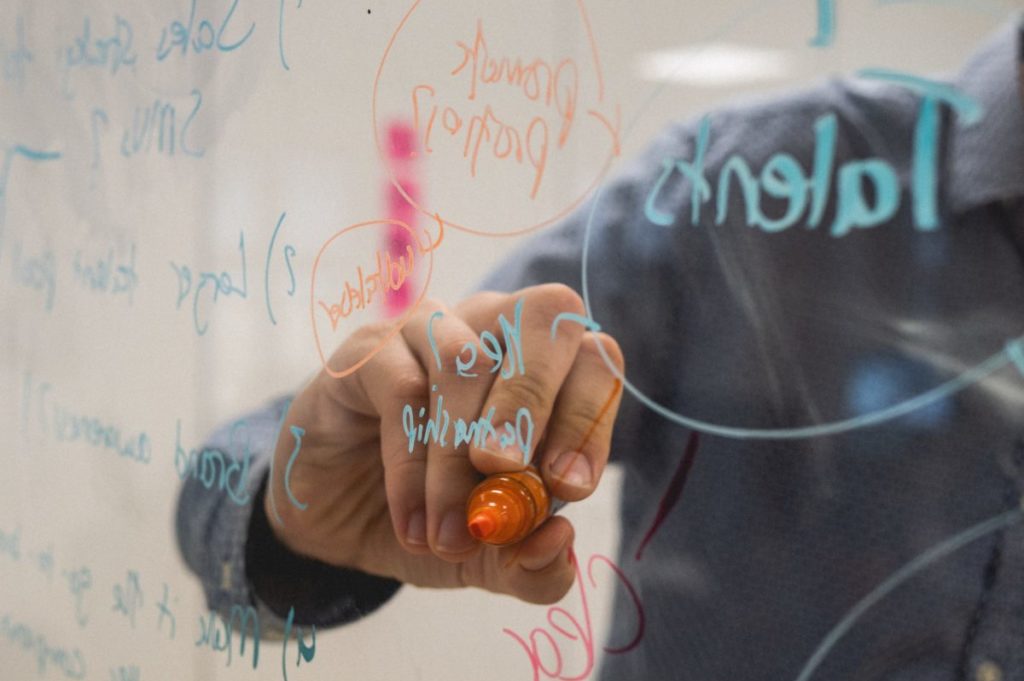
398 324
613 130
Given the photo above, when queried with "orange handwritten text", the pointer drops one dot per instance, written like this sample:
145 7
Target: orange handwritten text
534 79
389 277
575 632
481 130
497 114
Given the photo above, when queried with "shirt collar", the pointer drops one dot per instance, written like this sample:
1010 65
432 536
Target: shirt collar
987 158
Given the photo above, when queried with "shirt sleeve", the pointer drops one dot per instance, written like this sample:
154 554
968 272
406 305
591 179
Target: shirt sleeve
226 539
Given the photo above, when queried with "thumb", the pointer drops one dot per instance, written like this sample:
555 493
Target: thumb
539 569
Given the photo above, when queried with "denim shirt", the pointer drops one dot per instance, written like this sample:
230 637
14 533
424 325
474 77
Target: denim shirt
857 394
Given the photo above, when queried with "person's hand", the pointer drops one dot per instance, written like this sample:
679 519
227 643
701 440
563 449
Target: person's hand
376 507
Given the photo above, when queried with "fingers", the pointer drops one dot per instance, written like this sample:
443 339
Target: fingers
481 389
532 371
578 439
539 570
396 386
459 381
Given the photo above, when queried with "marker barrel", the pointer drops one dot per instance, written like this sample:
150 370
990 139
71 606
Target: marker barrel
506 507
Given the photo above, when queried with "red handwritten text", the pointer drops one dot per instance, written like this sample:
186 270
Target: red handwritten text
574 631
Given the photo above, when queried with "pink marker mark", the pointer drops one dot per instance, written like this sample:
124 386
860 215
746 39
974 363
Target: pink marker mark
400 156
674 491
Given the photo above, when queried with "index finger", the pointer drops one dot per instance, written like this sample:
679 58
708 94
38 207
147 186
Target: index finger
531 366
578 438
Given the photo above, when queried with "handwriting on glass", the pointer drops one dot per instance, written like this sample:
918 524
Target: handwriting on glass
388 278
217 633
506 357
784 179
214 469
222 285
548 659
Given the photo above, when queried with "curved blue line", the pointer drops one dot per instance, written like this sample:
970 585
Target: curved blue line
989 366
35 154
430 337
901 575
964 380
1016 354
587 323
940 392
297 433
967 378
270 476
266 270
280 34
289 252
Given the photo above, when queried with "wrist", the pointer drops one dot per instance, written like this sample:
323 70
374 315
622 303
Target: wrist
320 593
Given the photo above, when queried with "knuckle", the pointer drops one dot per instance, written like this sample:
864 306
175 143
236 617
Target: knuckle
451 349
524 391
431 305
422 314
362 340
409 385
402 486
484 364
553 299
482 299
401 471
575 424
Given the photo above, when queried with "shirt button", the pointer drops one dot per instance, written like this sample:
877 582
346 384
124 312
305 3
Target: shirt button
988 671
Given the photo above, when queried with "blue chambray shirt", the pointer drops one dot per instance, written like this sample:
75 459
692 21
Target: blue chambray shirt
775 539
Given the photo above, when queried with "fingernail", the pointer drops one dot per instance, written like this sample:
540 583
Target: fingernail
416 530
453 537
573 469
492 445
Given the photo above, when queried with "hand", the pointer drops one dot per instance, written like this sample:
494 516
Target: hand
375 506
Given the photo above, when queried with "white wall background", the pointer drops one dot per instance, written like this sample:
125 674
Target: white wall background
298 141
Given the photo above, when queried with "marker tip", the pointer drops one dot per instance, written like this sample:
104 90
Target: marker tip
482 526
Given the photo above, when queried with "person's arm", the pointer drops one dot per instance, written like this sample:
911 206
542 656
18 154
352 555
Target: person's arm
238 559
244 556
383 509
219 539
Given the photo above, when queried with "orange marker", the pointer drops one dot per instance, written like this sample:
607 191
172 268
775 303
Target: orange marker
506 507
